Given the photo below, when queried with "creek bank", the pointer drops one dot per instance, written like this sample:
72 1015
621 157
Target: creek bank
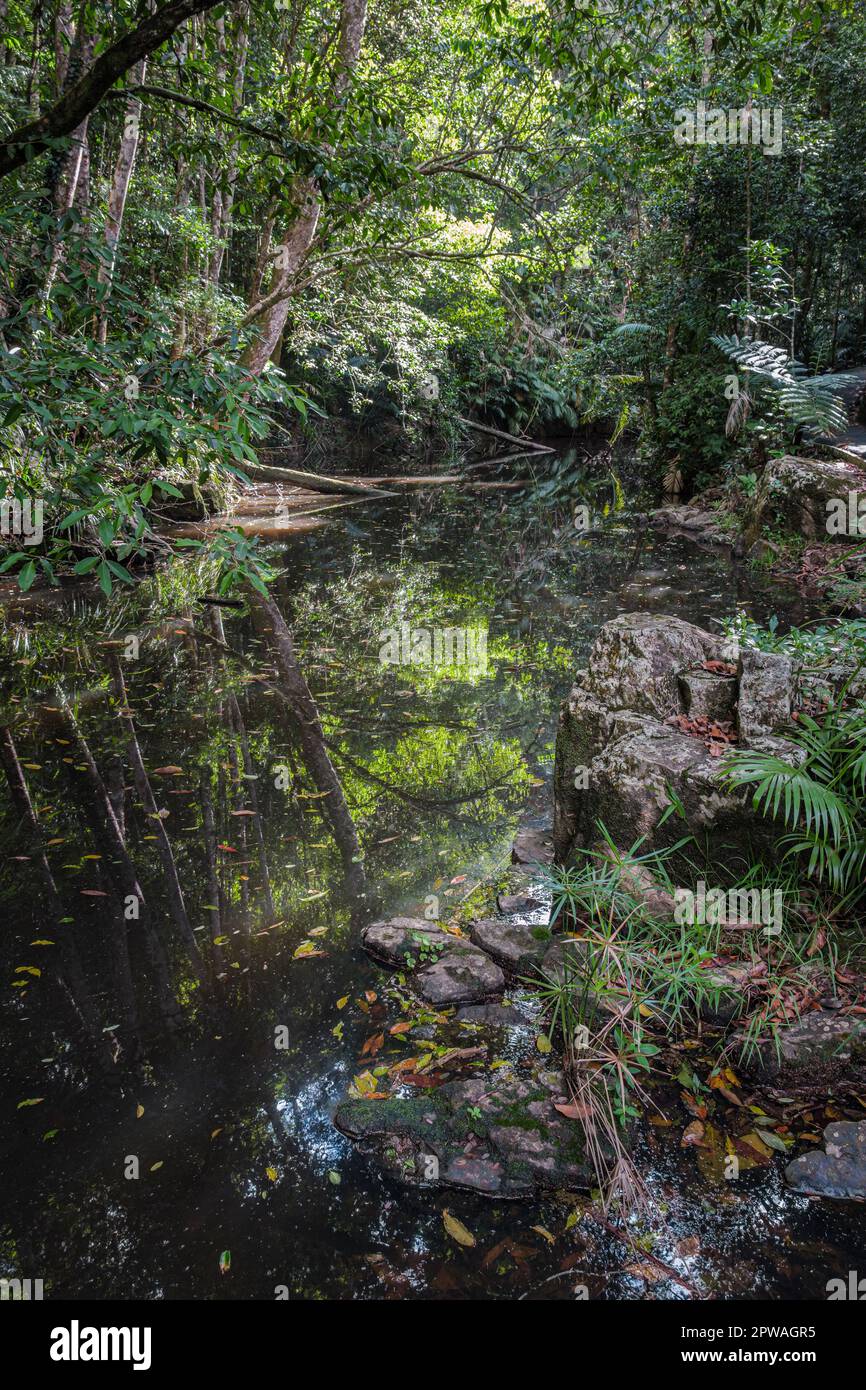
802 521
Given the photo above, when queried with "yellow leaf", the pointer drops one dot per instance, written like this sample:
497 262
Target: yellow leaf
543 1231
543 1043
341 1003
272 1174
456 1230
139 1111
157 1165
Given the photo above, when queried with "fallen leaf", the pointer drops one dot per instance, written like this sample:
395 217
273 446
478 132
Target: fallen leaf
456 1230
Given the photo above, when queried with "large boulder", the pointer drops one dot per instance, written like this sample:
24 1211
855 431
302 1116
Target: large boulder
641 723
634 665
798 496
766 690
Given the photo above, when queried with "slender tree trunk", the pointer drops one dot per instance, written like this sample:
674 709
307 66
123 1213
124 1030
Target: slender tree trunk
224 195
295 244
119 189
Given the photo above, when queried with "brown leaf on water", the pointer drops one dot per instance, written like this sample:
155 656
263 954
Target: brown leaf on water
642 1269
693 1134
372 1045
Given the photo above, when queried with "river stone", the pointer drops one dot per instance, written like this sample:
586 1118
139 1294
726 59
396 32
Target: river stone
518 903
461 975
767 681
797 496
707 695
840 1171
532 847
447 969
818 1049
498 1136
391 943
516 946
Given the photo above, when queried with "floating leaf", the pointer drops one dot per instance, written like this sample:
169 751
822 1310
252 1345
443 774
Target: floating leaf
456 1230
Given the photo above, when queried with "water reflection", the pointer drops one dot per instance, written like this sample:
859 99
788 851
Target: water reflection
192 836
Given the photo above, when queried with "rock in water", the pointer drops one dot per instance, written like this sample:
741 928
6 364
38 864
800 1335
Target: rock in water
813 1052
532 847
516 946
501 1138
446 969
840 1171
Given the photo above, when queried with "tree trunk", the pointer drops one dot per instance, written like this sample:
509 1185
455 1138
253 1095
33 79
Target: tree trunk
296 242
119 189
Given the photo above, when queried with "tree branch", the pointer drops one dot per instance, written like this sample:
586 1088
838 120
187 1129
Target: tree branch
85 95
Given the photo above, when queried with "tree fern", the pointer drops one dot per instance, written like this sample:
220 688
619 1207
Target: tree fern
810 402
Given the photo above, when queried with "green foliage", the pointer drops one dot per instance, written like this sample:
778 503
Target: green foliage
819 793
807 402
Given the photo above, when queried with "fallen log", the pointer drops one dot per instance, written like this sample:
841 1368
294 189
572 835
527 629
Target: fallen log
316 482
511 438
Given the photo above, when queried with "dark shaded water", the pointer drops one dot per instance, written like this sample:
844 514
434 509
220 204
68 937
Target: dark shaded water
232 1133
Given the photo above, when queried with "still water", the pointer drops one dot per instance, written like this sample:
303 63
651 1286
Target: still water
220 1097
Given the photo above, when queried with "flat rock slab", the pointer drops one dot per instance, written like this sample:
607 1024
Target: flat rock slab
532 847
516 946
500 1138
496 1015
840 1170
446 969
817 1049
